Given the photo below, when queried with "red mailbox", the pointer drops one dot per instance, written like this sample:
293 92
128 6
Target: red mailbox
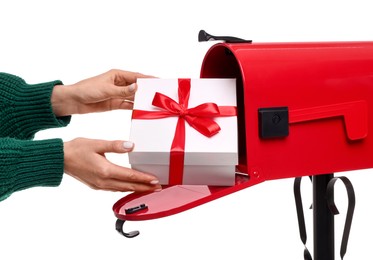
303 109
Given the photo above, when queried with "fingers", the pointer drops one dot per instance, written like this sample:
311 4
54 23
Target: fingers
121 97
122 77
117 178
124 179
126 91
123 92
123 104
121 173
126 81
85 160
102 146
116 185
123 86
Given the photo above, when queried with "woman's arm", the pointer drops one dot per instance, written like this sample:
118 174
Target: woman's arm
25 164
26 109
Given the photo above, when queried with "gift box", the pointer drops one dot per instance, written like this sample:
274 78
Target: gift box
185 130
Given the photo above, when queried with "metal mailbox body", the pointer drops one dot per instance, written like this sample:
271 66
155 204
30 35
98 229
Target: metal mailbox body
303 109
327 89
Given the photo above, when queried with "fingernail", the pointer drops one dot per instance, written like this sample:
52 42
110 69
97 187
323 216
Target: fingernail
153 182
158 190
127 145
131 87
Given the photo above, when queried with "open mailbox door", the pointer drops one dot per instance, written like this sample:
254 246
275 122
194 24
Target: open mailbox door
304 109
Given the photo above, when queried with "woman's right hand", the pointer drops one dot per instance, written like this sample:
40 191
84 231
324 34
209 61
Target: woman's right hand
84 159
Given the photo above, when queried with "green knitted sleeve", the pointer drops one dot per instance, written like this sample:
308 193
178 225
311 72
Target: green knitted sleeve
26 109
25 164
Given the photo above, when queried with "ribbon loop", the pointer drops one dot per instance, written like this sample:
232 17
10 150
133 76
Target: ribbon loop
164 102
204 125
205 110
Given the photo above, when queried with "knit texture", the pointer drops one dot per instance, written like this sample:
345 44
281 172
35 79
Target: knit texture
24 110
25 164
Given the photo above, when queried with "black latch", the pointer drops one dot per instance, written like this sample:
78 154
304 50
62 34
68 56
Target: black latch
136 209
204 37
273 122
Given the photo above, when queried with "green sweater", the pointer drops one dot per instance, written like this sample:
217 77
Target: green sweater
24 110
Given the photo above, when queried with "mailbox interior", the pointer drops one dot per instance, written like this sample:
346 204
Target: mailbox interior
220 62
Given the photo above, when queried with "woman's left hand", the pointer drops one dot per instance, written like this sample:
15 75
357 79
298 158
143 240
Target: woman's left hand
112 90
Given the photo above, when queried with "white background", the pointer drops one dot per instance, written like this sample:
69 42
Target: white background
71 40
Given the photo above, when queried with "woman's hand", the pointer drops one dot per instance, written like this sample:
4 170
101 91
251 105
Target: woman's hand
85 160
114 89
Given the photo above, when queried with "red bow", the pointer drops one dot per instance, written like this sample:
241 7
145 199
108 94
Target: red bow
198 117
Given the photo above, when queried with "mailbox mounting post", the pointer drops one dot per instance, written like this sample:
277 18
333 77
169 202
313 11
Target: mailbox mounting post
323 219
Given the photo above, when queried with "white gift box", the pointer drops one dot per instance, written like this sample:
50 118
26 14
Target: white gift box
207 160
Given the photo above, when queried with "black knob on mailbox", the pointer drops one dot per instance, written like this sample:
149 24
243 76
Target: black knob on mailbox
273 122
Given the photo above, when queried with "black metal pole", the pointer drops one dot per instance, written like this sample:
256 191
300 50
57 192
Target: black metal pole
323 220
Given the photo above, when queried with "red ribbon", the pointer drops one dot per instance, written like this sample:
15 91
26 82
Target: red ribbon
198 117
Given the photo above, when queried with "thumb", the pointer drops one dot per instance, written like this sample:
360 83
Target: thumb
114 146
115 91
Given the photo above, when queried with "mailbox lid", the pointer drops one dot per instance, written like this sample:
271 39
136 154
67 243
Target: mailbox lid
174 199
298 76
